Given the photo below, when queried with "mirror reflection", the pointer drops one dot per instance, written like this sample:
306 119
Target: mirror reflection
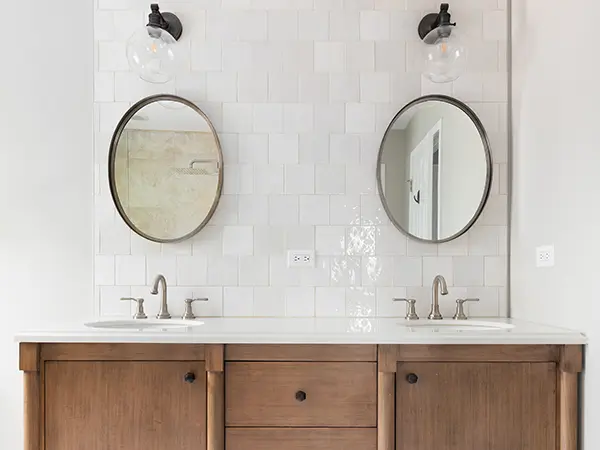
165 168
434 169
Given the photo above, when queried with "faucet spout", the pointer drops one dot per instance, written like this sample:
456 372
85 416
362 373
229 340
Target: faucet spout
439 282
160 281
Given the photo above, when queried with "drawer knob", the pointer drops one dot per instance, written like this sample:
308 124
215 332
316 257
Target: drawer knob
189 377
412 378
300 396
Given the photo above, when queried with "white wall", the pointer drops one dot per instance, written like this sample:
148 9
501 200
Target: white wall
301 92
556 187
46 182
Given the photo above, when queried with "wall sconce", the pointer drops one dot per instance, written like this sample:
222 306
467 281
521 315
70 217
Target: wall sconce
445 55
151 50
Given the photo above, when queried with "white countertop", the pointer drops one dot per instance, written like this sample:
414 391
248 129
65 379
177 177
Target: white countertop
315 331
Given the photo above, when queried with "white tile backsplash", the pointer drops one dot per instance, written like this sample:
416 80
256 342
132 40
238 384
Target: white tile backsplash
300 93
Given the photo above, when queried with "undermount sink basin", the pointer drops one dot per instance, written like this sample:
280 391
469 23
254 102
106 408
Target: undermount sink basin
144 324
453 325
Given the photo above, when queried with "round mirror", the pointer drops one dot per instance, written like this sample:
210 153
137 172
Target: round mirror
165 168
434 169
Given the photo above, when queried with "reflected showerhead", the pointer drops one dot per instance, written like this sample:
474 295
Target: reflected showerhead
191 170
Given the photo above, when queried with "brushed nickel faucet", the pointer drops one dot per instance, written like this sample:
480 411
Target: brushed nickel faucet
189 312
438 281
164 308
411 312
139 313
460 308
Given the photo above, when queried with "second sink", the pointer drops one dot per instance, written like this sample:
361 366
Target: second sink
453 325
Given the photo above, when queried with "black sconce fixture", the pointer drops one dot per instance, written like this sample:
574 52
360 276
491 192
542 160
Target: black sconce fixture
165 21
445 56
151 50
436 20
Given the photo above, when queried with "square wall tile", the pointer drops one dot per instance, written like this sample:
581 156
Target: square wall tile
254 271
408 271
283 209
314 209
361 302
330 179
130 270
299 302
238 240
330 302
192 270
299 179
468 271
238 302
269 302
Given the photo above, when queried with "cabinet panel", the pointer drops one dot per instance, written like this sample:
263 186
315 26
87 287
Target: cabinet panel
124 405
301 439
475 406
266 394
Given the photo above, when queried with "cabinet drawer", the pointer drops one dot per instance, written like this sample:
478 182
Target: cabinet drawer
277 394
301 439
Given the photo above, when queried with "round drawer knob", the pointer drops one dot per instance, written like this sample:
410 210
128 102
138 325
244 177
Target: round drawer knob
412 378
189 377
300 396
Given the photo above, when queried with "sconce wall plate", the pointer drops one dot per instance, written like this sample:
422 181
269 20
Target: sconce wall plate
428 24
175 26
165 20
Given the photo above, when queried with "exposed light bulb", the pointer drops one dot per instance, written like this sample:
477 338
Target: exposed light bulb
152 55
445 56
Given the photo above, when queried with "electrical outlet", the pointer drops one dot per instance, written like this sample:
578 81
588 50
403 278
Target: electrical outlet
301 258
544 256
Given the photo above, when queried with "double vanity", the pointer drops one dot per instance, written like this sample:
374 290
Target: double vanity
299 384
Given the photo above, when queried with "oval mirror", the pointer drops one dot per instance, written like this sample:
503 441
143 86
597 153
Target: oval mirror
165 168
434 169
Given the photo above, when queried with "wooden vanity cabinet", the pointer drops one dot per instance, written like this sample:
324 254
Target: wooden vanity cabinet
478 397
475 406
122 396
124 404
300 397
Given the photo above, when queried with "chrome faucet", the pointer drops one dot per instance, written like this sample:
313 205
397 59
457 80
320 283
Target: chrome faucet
435 304
164 308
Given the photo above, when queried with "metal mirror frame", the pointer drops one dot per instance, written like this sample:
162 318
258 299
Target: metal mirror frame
488 157
111 164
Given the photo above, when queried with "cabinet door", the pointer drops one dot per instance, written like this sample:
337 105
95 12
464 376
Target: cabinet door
124 406
475 406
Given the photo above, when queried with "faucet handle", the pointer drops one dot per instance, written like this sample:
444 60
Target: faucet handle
460 308
189 312
139 313
411 313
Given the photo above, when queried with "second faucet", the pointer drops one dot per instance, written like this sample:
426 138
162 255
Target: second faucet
438 282
164 307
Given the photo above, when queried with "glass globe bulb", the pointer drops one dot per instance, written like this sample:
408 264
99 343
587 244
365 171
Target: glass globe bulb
445 55
151 54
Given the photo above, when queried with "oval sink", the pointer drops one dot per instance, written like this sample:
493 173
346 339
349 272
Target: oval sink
143 324
453 325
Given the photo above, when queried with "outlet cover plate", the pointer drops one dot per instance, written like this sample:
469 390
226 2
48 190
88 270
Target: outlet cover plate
544 256
301 258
